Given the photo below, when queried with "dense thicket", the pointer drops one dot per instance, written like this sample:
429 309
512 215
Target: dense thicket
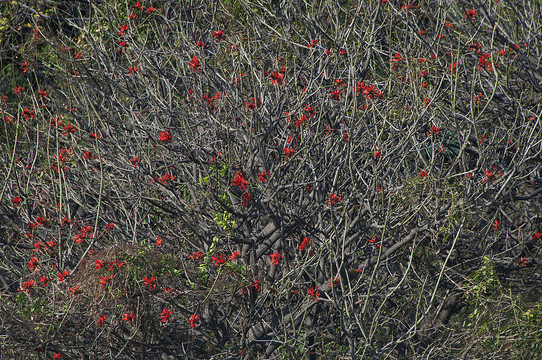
245 179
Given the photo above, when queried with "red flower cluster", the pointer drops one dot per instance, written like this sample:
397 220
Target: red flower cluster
247 198
27 286
63 275
101 320
434 130
239 180
83 233
28 114
369 91
253 104
313 43
193 321
166 179
263 176
471 13
150 283
275 258
164 137
333 199
314 293
278 76
497 224
288 152
219 35
164 316
194 64
16 200
129 317
234 256
32 264
304 244
485 62
218 259
104 280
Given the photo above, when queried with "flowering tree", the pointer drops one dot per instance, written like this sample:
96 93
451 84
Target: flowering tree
359 179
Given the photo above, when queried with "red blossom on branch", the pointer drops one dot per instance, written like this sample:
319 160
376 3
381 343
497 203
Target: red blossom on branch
218 259
275 258
288 152
164 137
129 317
166 313
313 292
101 320
150 282
304 244
193 321
194 64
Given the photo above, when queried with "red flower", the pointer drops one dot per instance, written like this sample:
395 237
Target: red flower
101 320
27 286
150 283
99 264
32 264
16 200
288 152
278 76
522 262
134 161
164 137
374 241
263 176
219 259
129 317
333 199
424 173
434 130
57 356
219 35
109 227
75 291
497 224
131 70
200 44
158 241
18 90
138 5
63 276
44 281
275 258
166 179
246 199
234 256
196 256
484 62
240 181
104 280
304 244
149 10
336 94
194 64
193 321
165 315
536 237
314 293
255 103
471 13
43 93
